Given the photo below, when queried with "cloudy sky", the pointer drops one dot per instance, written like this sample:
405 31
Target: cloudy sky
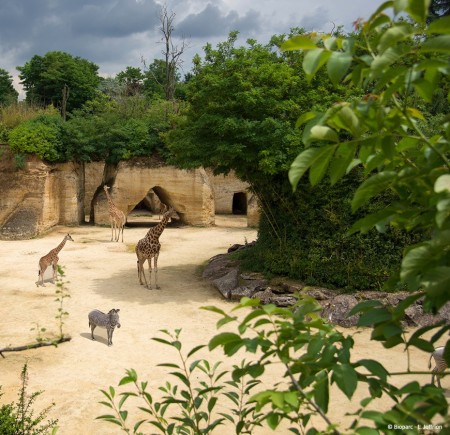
115 34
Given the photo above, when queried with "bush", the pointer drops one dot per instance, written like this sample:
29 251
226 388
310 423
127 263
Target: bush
40 136
19 419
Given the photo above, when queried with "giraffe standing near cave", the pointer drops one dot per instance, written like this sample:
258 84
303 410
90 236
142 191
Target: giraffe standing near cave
51 259
116 217
149 247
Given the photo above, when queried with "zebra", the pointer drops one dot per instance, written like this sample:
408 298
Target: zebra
440 362
108 321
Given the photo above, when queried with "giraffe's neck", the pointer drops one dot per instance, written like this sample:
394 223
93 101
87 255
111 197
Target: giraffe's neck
110 201
60 246
157 230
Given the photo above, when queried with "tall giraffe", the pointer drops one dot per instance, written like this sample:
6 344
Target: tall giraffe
51 259
116 217
149 247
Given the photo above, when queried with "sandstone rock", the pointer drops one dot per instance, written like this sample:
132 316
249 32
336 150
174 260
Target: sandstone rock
227 283
337 309
218 266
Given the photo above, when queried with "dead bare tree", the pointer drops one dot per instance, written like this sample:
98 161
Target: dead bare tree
172 53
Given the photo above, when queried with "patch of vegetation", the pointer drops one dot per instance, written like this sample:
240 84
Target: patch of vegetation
18 418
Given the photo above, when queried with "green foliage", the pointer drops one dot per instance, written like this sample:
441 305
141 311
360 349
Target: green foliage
45 77
307 355
189 405
19 419
312 243
41 135
384 133
117 130
62 293
8 95
241 116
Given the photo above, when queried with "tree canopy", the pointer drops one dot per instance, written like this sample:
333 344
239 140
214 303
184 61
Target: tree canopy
60 79
8 94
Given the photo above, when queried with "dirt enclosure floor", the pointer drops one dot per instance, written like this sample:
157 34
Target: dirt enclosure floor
102 274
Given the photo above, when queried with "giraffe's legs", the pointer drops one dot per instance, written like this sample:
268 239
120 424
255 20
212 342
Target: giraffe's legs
149 272
112 229
141 272
55 270
156 271
42 269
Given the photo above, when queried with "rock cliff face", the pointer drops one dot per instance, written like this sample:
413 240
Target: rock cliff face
190 192
37 197
40 195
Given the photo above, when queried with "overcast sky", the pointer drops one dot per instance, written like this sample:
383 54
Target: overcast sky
115 34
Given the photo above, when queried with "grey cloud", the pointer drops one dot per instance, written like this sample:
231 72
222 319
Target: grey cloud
122 18
211 22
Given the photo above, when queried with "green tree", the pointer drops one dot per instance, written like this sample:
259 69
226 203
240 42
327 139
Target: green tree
241 116
132 78
8 94
60 79
403 64
41 136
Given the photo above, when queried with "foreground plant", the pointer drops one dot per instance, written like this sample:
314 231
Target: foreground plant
309 356
19 419
61 293
188 406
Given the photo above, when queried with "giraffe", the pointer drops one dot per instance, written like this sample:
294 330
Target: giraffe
149 247
51 259
116 217
162 209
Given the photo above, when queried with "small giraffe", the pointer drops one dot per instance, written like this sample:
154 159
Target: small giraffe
116 217
51 259
162 209
149 247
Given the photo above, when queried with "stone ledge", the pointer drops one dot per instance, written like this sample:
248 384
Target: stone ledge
233 284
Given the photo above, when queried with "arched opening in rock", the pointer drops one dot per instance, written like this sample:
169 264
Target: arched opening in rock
149 211
239 203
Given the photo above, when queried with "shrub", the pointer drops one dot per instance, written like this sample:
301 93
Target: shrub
40 136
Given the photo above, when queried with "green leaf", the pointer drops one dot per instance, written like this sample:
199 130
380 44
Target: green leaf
338 65
393 35
223 339
341 162
365 224
382 61
303 162
418 9
439 44
322 133
317 172
195 350
321 390
304 118
371 187
314 60
346 378
441 25
374 316
298 42
375 368
365 306
442 184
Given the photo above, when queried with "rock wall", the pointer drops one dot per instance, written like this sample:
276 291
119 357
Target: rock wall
40 195
225 188
37 197
190 192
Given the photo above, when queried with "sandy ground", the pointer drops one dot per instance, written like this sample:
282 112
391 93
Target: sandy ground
102 275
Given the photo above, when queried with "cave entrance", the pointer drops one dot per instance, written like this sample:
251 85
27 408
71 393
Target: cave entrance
239 205
148 211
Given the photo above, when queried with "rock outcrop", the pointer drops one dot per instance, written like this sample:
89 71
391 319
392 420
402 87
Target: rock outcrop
226 276
40 195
